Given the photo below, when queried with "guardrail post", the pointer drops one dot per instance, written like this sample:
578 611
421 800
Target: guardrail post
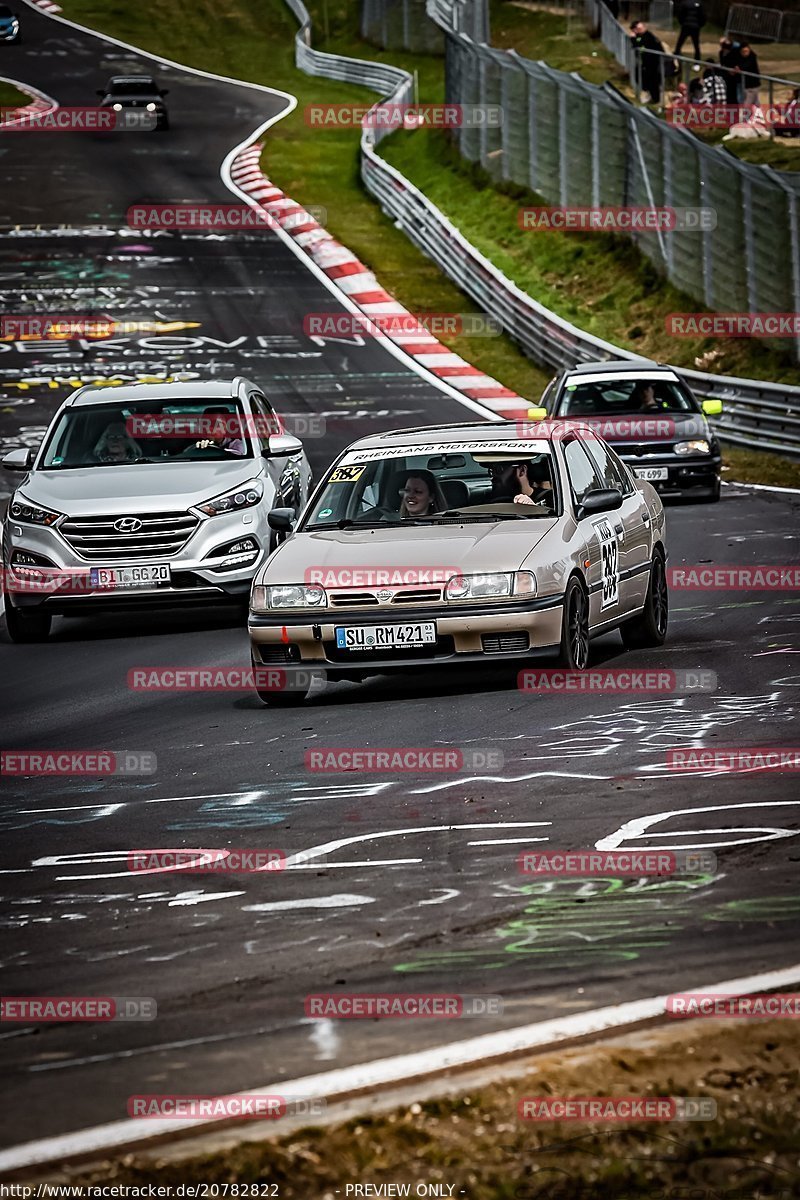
595 152
749 248
563 163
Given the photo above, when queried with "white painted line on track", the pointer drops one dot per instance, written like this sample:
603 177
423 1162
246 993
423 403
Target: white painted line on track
402 1068
761 487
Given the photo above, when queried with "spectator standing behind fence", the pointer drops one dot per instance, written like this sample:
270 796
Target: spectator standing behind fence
729 61
648 48
691 18
715 89
750 76
789 124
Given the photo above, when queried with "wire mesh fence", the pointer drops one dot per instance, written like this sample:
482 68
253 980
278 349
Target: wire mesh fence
575 143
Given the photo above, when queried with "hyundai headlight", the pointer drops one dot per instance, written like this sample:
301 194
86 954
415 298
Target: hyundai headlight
698 446
240 498
21 509
288 596
491 586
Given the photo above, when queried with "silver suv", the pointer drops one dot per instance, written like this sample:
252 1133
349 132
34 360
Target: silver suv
148 495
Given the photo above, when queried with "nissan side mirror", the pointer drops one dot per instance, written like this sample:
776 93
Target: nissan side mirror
281 519
599 501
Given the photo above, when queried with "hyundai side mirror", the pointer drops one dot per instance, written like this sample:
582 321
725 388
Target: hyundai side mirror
282 445
281 519
18 460
712 408
537 413
599 501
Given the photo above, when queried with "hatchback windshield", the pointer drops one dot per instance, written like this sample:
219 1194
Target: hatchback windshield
607 398
414 487
132 87
148 432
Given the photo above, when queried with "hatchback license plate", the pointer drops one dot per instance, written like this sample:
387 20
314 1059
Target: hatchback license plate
390 637
146 575
651 474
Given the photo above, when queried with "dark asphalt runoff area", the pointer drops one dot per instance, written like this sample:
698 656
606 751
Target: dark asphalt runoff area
411 882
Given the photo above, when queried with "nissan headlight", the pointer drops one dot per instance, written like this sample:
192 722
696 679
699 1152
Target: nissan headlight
288 596
240 498
21 509
698 446
491 586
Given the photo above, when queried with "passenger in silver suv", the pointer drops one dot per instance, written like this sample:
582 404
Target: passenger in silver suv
146 495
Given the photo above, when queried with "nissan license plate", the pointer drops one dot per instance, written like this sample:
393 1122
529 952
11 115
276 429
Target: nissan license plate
385 637
145 575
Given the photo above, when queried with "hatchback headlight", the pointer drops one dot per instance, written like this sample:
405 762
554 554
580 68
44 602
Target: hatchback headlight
117 107
487 587
21 509
150 107
288 596
698 446
237 500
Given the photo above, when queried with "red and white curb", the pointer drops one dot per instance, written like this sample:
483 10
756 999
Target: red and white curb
46 6
361 287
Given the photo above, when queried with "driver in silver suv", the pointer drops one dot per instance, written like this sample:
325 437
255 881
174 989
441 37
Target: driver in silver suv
146 495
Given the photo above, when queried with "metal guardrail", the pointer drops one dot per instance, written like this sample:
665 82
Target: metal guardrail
757 414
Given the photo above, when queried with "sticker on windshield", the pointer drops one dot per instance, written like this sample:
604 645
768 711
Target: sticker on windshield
347 474
609 563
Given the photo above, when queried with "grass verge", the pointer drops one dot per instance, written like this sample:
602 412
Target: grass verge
11 97
474 1142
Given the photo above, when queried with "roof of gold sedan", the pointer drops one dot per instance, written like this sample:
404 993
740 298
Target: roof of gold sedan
435 434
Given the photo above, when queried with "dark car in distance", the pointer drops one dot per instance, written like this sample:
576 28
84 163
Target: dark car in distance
648 413
137 93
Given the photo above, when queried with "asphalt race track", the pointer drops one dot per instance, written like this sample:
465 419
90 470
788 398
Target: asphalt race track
409 883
